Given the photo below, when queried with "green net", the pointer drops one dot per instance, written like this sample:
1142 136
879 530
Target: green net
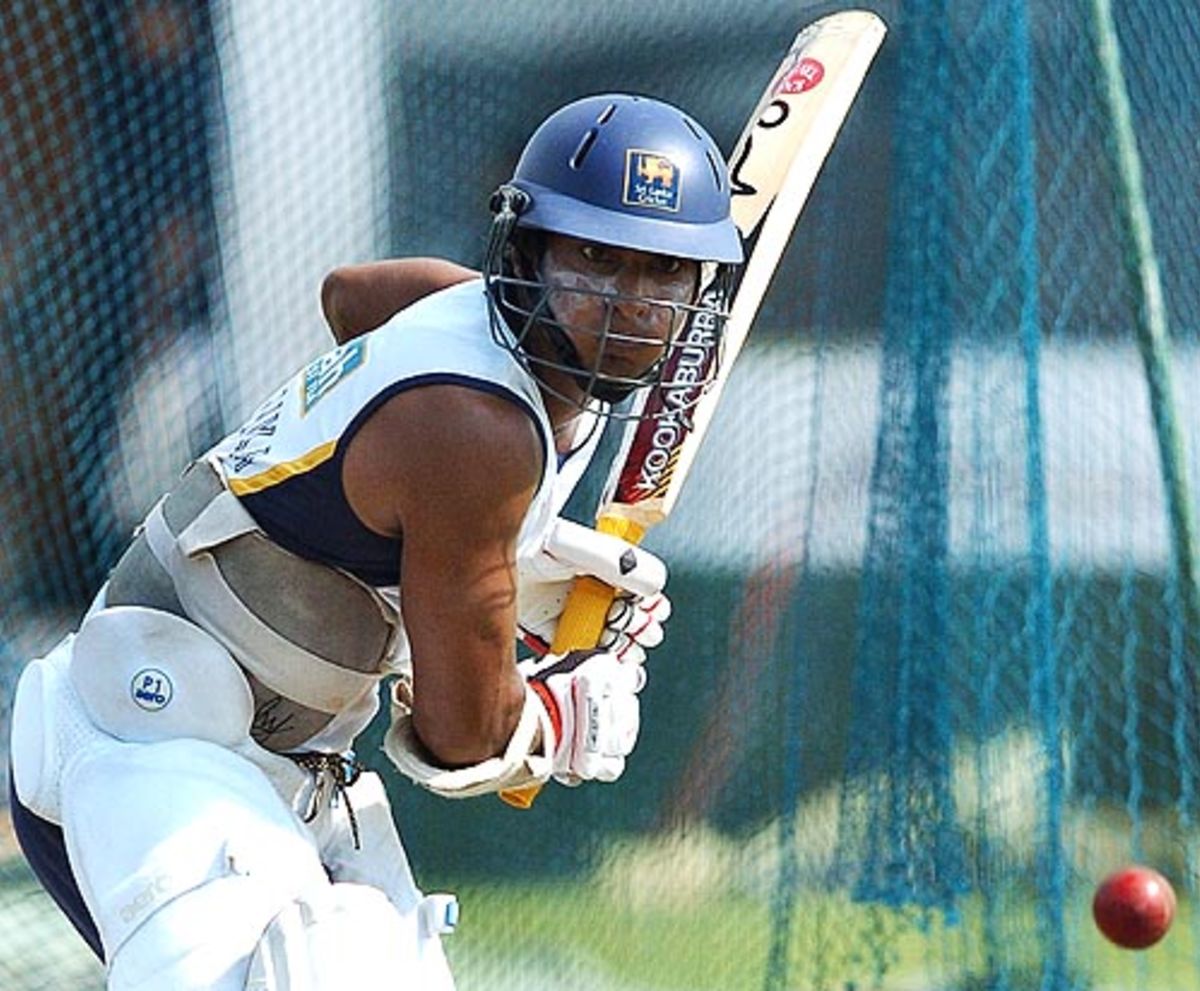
931 673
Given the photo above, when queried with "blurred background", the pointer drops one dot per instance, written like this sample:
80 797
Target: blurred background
932 671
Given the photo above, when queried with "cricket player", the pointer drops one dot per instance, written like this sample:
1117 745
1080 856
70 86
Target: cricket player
184 782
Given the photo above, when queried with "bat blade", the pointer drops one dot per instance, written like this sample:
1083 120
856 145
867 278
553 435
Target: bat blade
772 171
773 168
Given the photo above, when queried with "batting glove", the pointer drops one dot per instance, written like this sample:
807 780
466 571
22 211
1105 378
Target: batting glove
635 620
592 699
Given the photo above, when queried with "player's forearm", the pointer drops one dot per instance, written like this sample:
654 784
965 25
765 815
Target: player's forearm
356 299
462 725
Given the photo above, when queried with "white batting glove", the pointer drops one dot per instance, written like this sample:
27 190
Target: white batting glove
634 623
592 699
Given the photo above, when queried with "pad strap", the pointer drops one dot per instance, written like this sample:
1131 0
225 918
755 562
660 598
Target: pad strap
283 666
518 767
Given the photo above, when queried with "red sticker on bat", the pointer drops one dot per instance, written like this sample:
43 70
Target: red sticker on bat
803 76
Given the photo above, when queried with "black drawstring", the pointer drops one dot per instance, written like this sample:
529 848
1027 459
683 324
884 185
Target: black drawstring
343 770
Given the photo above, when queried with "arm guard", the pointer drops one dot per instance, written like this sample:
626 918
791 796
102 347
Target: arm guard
519 766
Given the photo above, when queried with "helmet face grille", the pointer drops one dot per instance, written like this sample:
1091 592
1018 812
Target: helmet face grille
522 315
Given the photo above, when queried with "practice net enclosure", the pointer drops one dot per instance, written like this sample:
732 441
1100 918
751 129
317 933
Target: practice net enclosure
931 673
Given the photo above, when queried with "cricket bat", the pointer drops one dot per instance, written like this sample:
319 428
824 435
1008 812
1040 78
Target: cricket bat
772 171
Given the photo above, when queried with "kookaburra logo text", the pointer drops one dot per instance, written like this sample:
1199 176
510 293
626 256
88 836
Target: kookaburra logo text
697 350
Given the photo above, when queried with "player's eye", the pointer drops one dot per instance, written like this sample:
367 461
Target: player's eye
597 254
668 264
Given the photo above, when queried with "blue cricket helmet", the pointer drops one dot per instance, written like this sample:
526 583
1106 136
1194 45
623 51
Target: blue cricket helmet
633 173
629 171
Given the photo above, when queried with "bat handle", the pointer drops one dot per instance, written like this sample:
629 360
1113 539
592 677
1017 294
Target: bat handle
583 616
587 606
580 626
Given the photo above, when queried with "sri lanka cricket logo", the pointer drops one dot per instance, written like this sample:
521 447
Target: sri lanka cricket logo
652 180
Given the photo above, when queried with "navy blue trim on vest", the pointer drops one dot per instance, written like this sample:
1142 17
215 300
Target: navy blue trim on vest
308 513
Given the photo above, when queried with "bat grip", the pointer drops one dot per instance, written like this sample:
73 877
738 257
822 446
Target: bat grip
582 619
580 626
587 606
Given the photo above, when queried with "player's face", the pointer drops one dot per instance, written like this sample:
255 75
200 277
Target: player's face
615 304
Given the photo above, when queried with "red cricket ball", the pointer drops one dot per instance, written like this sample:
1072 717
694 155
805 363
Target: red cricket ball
1134 907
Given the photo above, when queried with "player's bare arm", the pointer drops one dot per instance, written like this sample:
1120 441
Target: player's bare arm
452 472
358 298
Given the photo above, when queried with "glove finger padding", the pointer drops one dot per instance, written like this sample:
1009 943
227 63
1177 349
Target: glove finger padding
634 626
591 696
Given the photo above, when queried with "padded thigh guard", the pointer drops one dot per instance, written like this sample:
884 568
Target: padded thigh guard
145 675
184 853
201 879
130 674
